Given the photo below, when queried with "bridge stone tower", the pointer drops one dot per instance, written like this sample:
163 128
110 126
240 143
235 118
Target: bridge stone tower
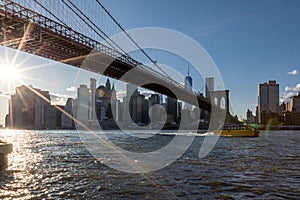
220 99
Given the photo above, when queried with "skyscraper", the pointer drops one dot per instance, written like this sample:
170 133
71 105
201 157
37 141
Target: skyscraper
172 108
66 120
27 108
154 112
83 104
188 81
294 103
268 100
106 98
114 103
108 89
131 90
92 100
209 86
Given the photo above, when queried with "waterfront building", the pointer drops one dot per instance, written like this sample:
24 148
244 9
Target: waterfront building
59 112
108 89
283 107
202 113
83 97
171 109
119 111
7 121
185 116
103 99
101 103
26 108
268 101
67 121
145 112
291 118
39 116
188 83
113 93
196 114
154 99
209 86
290 111
154 111
179 110
50 117
161 96
131 90
114 104
294 103
256 113
250 117
92 109
138 109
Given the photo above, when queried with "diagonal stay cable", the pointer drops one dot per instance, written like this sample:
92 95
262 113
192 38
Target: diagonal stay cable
142 50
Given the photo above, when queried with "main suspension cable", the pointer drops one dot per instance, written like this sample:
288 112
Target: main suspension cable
47 10
89 25
138 46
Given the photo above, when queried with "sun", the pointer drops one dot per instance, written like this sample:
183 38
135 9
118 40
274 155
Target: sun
9 76
8 73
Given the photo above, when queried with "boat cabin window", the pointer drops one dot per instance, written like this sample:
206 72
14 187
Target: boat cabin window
234 128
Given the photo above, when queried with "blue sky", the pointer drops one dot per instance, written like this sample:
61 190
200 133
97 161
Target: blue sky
250 41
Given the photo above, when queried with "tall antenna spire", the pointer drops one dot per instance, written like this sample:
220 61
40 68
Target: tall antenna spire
188 69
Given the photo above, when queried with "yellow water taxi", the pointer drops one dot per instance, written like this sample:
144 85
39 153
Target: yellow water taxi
238 130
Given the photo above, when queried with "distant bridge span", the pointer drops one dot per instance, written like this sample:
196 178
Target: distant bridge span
31 32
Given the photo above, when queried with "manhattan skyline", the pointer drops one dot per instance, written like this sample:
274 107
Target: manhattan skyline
250 42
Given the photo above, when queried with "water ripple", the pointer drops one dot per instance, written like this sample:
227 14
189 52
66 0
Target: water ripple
56 165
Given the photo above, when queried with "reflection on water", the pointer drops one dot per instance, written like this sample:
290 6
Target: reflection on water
55 164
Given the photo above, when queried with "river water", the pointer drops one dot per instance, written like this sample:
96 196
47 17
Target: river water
56 165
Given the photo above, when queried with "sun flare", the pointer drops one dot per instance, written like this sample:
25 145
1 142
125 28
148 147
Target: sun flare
10 76
16 69
8 73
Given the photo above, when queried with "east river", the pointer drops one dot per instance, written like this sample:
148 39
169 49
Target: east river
57 165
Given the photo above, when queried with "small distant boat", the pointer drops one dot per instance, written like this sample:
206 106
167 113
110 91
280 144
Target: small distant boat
238 130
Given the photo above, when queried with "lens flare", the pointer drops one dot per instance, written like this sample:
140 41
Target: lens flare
268 128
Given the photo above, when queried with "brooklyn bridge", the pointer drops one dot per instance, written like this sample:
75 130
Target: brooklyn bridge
50 37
